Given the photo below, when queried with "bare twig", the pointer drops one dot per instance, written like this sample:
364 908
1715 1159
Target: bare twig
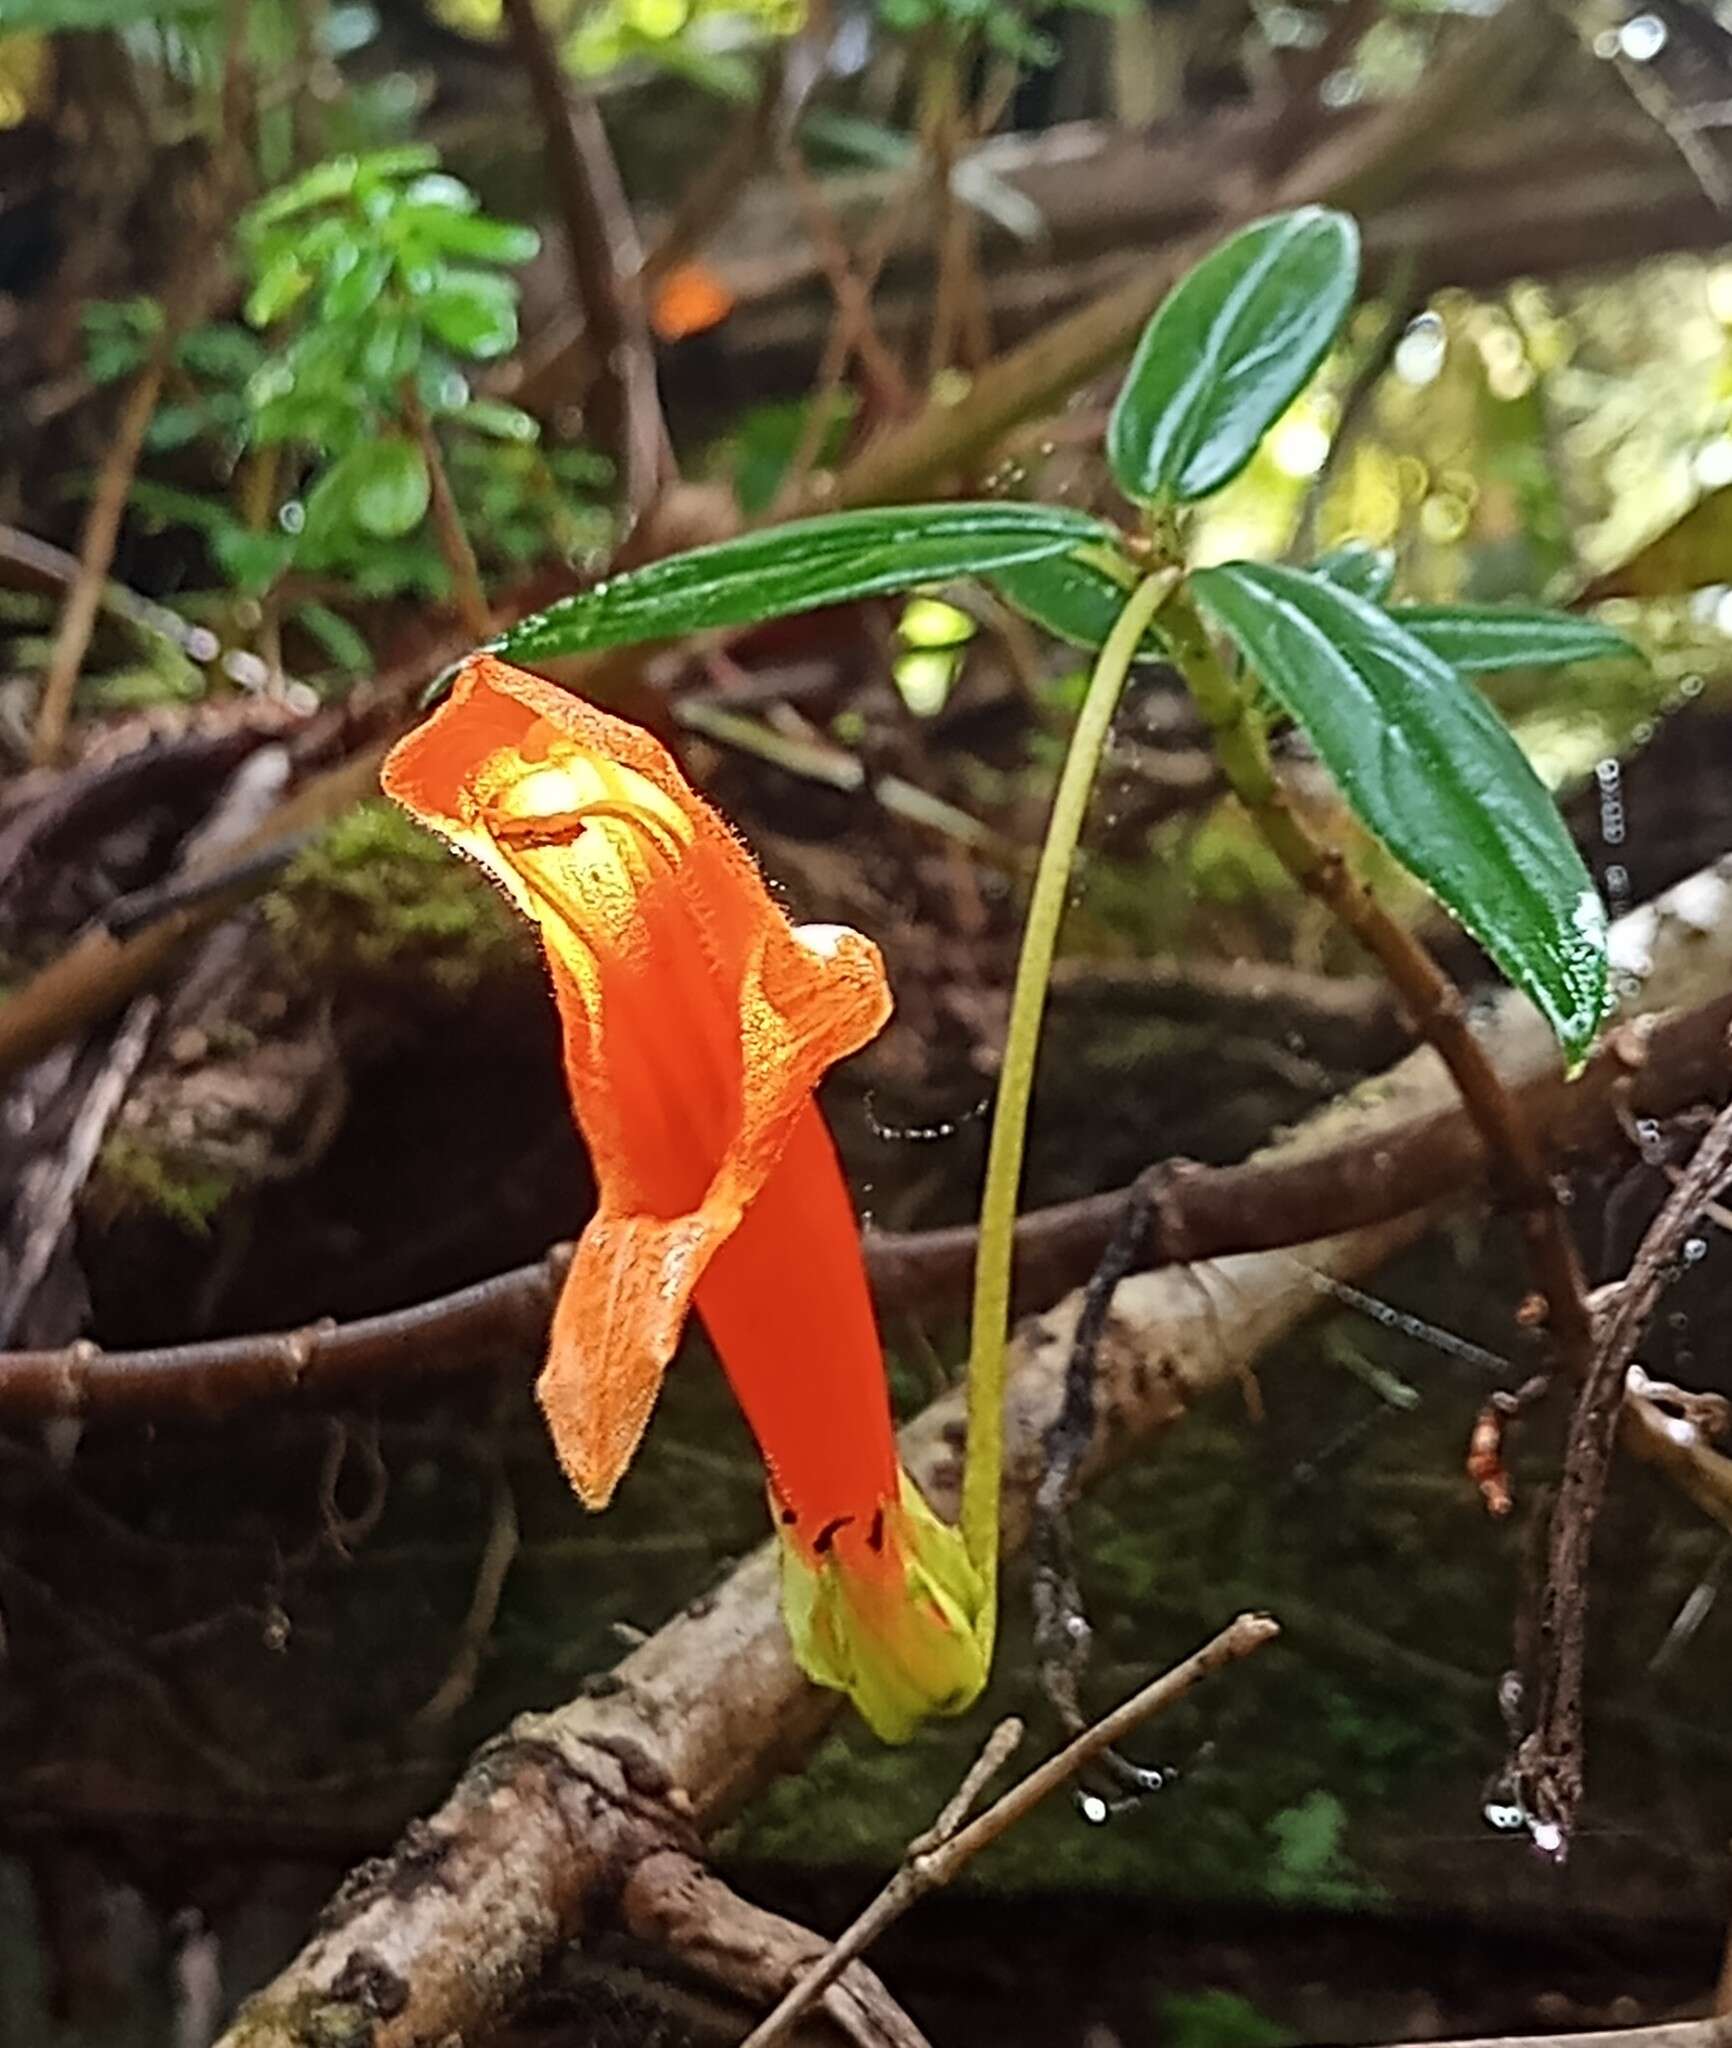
1373 162
1300 107
715 191
1713 2033
670 1899
98 972
932 1863
852 293
1399 1145
96 553
497 1556
453 535
1548 1766
623 407
1061 1633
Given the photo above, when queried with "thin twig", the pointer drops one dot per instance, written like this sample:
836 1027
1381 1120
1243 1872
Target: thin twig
623 407
1061 1631
1548 1765
428 1722
453 535
927 1868
715 191
1712 2033
1350 1169
98 972
853 296
96 553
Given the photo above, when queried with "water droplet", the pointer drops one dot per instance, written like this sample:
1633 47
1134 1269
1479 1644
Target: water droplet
1093 1808
1695 1250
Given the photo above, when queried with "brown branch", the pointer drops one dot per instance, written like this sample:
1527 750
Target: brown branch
1372 163
453 536
715 191
547 1829
1298 115
1713 2033
1398 1145
622 406
1549 1763
852 292
936 1858
96 553
670 1899
99 972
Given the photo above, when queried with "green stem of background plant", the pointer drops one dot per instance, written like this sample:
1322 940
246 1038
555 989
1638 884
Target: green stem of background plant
992 1259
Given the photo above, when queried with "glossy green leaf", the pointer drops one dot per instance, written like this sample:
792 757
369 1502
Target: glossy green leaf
1357 566
337 178
499 421
1229 349
798 568
473 312
353 286
440 192
251 561
474 235
1075 597
1482 639
392 347
54 17
389 488
1428 766
283 281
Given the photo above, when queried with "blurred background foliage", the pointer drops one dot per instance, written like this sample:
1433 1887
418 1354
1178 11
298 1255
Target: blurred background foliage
371 1111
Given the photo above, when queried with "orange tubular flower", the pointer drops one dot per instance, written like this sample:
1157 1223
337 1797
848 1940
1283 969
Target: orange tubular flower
697 1023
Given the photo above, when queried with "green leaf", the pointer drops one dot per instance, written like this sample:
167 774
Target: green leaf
53 17
1482 639
1075 597
1357 566
335 636
798 568
283 281
1229 349
475 235
251 561
439 192
355 282
499 421
388 487
473 312
336 178
1428 766
392 347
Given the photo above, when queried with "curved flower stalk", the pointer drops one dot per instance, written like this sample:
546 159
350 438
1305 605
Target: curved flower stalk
697 1022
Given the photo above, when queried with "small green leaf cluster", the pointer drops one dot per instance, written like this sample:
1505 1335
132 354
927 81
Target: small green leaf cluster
1383 691
381 274
375 284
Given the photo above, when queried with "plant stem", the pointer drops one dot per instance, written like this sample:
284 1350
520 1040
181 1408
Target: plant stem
980 1481
1431 999
453 535
96 554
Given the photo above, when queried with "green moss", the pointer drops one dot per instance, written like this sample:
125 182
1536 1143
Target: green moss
377 894
133 1174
